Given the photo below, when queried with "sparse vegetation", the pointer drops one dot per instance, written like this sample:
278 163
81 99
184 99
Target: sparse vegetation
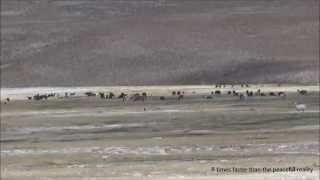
84 135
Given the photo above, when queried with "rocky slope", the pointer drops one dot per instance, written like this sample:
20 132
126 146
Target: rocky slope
148 42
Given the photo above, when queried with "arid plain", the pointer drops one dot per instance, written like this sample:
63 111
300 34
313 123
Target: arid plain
92 138
159 46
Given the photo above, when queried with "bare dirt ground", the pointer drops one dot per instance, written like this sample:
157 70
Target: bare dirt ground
158 42
92 138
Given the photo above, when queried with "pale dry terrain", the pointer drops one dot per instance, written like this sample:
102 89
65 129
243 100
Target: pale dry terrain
92 138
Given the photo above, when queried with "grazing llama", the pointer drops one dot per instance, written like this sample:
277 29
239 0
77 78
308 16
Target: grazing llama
300 107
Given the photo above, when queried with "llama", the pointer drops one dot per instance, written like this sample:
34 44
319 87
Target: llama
217 92
302 92
300 107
